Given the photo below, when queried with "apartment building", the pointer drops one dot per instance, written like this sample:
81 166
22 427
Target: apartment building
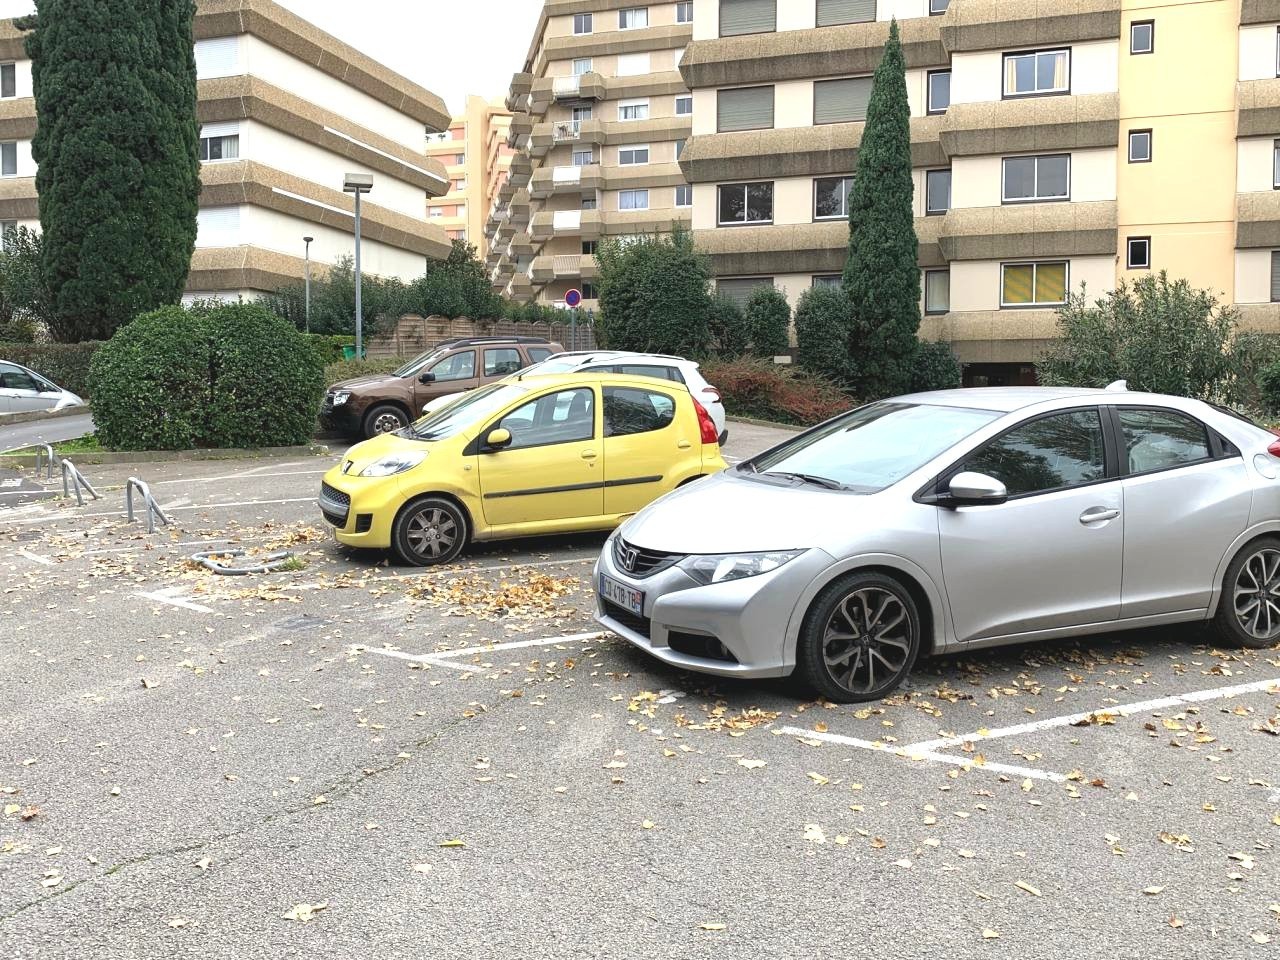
285 111
477 160
600 117
1054 144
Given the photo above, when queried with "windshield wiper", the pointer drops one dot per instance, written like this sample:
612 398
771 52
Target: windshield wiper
826 482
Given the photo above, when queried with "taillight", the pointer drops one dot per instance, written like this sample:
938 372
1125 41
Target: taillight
706 424
1274 449
712 394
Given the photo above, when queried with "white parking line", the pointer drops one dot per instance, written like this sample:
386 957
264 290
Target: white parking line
1123 710
198 506
170 596
444 657
34 558
914 753
245 475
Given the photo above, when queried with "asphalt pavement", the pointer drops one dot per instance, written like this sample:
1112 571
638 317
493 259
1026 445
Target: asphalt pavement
55 430
357 759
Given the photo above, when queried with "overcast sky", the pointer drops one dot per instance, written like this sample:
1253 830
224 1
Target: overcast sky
401 33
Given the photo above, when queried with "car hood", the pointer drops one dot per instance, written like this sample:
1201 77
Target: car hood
371 380
727 513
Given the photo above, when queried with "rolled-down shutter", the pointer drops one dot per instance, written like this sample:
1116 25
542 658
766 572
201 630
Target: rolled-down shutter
833 12
746 109
841 101
748 16
739 289
1275 276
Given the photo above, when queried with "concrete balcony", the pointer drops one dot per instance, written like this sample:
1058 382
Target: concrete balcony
1030 125
549 90
520 245
573 132
566 179
1258 220
994 336
1262 317
521 84
518 132
1029 230
825 150
1259 11
610 43
664 84
521 165
572 266
521 288
624 223
642 175
507 191
1000 25
565 223
519 208
1259 104
648 131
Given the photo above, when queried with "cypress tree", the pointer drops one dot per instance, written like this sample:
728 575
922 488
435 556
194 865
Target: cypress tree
117 145
881 276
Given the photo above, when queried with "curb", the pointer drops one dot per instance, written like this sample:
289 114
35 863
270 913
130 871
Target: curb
106 458
766 423
9 419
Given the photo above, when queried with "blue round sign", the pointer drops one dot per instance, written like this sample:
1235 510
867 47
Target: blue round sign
573 298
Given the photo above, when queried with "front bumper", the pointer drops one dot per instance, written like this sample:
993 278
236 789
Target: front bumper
361 510
733 629
343 418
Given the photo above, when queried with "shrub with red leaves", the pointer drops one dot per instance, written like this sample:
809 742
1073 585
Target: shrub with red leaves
763 390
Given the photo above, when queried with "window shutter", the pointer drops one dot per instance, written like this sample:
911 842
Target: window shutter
749 109
1275 276
748 16
739 289
841 101
833 12
218 57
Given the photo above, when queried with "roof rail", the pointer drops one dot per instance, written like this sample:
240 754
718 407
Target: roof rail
474 341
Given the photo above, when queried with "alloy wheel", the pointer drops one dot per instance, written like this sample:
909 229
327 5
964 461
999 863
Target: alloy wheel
432 533
867 640
386 423
1257 595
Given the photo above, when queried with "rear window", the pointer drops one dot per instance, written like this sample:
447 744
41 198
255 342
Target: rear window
631 410
538 354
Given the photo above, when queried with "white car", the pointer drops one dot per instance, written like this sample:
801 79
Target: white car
654 365
23 390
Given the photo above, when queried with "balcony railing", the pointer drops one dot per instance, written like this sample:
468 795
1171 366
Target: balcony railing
566 131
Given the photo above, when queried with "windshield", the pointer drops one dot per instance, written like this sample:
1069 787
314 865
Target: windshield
554 365
466 412
418 362
872 447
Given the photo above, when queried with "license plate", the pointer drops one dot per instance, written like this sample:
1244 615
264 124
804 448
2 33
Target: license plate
624 596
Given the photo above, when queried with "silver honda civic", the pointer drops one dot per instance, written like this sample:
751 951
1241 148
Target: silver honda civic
952 521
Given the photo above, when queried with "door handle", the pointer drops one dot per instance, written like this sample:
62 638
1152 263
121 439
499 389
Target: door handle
588 454
1098 514
684 444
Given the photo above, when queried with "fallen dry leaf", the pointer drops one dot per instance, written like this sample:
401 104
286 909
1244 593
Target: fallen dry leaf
305 912
1027 887
989 934
751 764
712 926
1152 891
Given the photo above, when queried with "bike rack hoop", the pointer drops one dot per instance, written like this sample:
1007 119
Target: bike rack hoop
153 509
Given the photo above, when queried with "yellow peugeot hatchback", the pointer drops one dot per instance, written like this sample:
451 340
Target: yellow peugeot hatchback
555 453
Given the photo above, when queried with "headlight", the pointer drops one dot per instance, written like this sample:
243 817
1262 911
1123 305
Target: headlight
394 463
340 397
717 568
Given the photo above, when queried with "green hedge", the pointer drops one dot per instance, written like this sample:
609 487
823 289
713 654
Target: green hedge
350 369
66 364
328 347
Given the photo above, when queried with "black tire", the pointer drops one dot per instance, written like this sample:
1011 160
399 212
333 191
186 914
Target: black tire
1249 608
384 418
876 638
429 531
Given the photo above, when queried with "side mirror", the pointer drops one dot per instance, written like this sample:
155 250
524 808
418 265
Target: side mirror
427 377
497 439
976 488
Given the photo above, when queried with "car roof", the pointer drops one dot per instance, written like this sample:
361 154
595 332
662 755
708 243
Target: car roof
1009 399
581 377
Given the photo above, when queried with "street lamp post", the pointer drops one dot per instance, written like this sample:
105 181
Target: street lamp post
359 184
307 241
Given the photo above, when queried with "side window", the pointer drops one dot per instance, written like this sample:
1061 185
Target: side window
564 417
1160 439
674 375
1062 450
15 378
642 370
631 410
538 354
460 366
499 363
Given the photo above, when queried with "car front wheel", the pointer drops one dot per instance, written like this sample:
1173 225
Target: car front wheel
860 639
384 419
1249 609
428 532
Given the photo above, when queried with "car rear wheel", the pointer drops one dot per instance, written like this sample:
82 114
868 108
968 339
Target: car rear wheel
429 532
860 639
384 419
1249 609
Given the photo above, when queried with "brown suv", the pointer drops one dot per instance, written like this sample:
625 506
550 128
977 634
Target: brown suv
368 406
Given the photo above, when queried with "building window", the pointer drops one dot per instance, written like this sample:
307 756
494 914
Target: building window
8 80
937 292
684 12
9 159
632 64
741 203
828 280
589 290
746 108
831 197
1138 253
680 147
739 17
937 192
937 7
939 91
739 289
589 248
435 213
581 113
588 203
460 159
632 156
633 110
1275 165
633 18
1139 146
841 101
583 158
1037 73
1275 276
581 23
581 65
220 148
1033 284
1142 36
832 13
633 199
684 195
1030 179
684 106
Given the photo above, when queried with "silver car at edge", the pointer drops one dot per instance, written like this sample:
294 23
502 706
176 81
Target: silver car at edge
955 520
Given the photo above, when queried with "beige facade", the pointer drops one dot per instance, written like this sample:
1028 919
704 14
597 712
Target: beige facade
477 158
600 116
1055 144
285 111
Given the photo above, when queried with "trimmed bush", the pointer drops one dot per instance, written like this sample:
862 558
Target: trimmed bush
769 319
350 369
767 391
655 295
730 336
935 368
217 375
823 322
66 364
328 347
